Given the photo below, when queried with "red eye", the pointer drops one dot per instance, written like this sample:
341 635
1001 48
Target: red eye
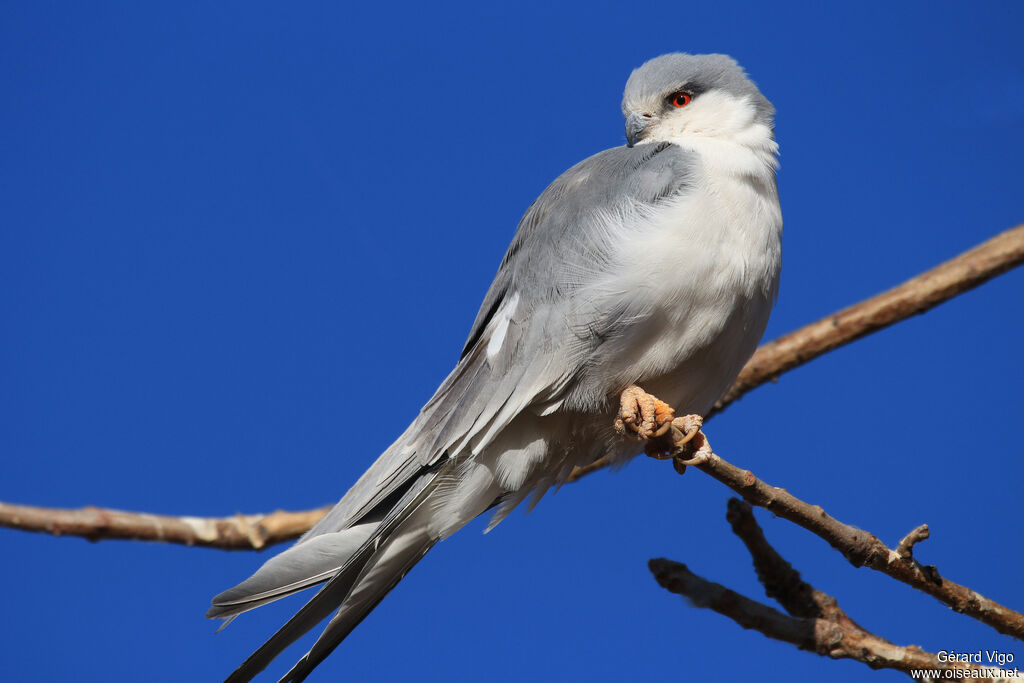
680 99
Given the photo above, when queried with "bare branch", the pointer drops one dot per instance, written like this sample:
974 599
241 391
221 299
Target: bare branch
835 639
965 272
906 547
677 578
860 547
929 289
240 532
781 582
817 623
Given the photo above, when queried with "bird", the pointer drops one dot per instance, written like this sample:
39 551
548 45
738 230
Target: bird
638 283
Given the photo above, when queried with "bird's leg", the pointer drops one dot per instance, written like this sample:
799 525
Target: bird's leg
649 419
642 415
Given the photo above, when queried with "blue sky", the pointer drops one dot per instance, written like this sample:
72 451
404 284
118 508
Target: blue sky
242 243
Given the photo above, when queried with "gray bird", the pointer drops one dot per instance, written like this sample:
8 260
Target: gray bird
655 265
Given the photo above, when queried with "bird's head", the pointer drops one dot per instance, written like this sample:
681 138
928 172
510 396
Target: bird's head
680 97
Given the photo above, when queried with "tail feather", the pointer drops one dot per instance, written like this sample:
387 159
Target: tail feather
440 513
382 574
299 567
338 588
361 564
311 614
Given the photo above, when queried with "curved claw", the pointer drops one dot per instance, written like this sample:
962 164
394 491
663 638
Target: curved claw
689 426
702 455
663 429
699 459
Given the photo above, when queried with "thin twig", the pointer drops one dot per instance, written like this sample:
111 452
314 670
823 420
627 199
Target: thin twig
965 272
906 547
974 267
816 622
860 547
929 289
240 532
781 582
822 636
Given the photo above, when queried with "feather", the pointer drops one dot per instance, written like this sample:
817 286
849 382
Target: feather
571 319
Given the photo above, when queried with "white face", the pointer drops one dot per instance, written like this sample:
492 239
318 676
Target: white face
682 115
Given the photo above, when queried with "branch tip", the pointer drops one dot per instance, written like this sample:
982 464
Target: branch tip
815 622
905 549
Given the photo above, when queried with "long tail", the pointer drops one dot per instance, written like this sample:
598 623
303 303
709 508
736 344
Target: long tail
381 574
411 497
360 564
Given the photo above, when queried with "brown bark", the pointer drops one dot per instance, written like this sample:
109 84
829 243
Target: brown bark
815 623
240 532
861 548
970 269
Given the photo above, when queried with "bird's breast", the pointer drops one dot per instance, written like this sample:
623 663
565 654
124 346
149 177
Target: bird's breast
694 279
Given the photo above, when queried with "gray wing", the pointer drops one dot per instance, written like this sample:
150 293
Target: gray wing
542 344
531 337
552 234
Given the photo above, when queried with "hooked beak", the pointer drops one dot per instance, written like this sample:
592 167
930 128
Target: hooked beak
637 126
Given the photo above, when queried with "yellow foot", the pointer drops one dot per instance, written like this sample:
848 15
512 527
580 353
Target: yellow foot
642 415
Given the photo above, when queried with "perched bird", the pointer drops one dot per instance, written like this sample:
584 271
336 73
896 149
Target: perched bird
651 265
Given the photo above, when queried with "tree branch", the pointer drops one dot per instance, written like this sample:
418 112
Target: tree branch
781 582
822 636
859 547
974 267
240 532
817 623
970 269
